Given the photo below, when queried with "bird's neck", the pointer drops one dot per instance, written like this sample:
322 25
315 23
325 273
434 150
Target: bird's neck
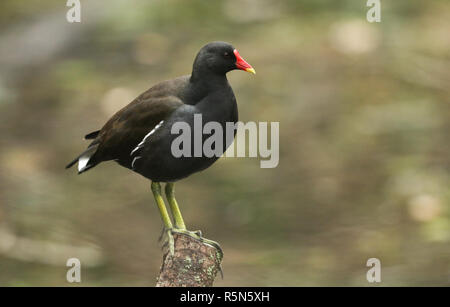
204 82
208 78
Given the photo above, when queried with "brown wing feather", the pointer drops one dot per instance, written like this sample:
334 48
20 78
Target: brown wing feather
123 132
125 129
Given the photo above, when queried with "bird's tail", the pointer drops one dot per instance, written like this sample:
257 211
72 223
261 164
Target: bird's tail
84 159
92 135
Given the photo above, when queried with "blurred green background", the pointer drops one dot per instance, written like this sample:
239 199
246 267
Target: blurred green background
364 166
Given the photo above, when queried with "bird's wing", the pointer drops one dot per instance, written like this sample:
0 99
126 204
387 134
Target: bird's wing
129 127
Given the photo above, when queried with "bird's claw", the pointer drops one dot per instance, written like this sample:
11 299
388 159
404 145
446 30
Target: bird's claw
169 242
161 236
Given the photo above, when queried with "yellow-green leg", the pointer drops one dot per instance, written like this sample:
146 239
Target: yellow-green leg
156 189
170 194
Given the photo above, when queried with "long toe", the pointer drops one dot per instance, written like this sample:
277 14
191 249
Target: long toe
213 244
167 239
197 235
161 236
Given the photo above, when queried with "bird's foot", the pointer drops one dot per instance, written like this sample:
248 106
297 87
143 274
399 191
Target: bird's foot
167 237
197 235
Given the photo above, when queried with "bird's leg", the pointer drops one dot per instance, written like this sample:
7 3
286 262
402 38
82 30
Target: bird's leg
156 189
180 227
170 194
179 222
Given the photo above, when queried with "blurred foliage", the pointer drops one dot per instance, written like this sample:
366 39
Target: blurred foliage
364 141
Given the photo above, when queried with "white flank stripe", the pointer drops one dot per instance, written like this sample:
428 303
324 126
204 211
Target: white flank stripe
145 137
134 160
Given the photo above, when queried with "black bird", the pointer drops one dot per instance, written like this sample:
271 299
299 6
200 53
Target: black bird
139 136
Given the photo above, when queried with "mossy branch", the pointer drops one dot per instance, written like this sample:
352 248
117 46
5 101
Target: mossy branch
193 264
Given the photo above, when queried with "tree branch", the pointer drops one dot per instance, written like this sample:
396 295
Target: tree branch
193 264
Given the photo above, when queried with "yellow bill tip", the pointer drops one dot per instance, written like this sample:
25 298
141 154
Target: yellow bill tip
251 69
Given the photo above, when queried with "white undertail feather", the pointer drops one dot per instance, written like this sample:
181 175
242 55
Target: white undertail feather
82 162
84 159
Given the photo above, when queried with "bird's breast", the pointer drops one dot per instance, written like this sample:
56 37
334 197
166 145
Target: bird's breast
188 142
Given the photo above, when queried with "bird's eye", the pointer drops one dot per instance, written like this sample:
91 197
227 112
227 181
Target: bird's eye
226 54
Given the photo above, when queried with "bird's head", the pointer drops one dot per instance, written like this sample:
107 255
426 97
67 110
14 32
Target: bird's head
220 58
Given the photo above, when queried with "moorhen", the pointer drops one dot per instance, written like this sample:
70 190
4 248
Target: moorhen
139 136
